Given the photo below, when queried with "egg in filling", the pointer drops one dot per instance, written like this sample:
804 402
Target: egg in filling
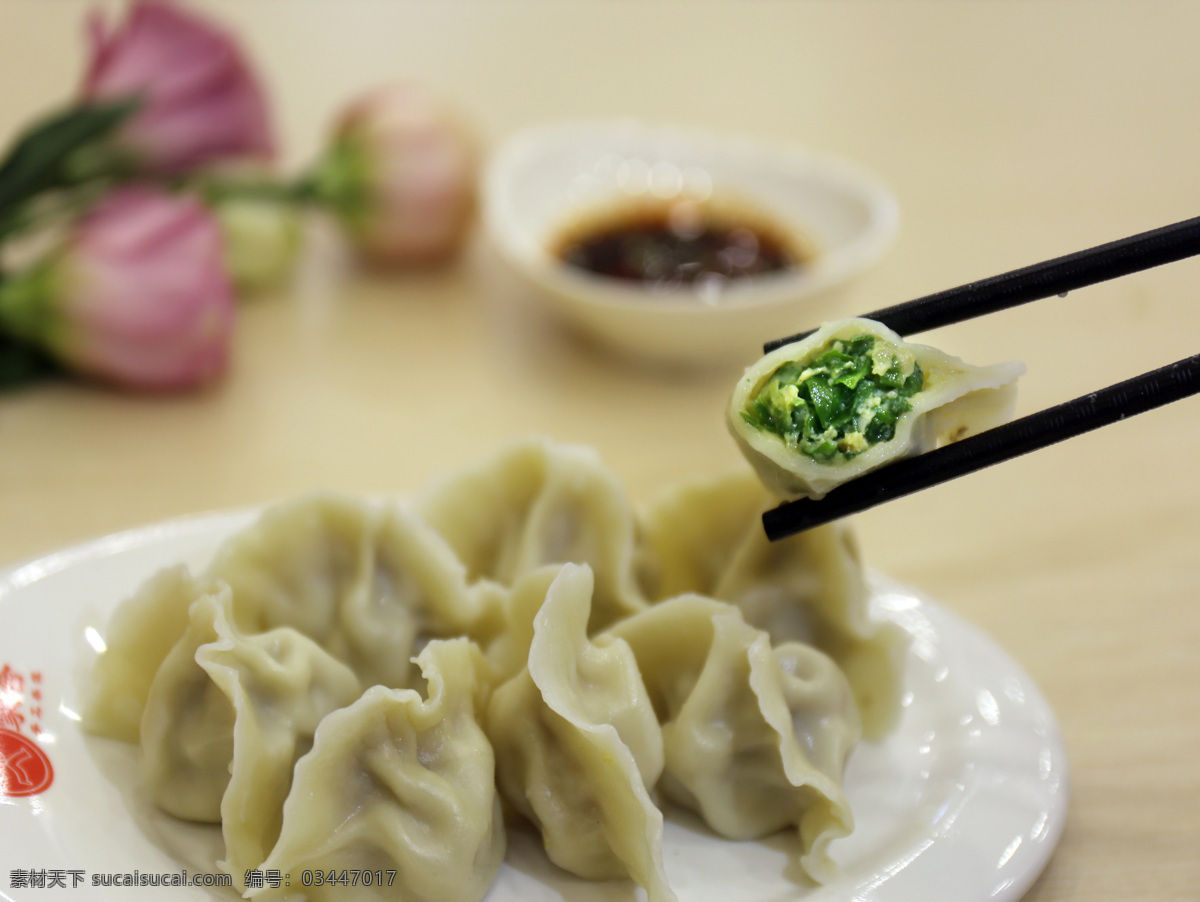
838 404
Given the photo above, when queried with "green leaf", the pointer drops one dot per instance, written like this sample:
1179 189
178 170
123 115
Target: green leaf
824 399
860 346
22 364
41 158
914 383
823 451
789 372
894 377
831 360
841 396
881 429
852 372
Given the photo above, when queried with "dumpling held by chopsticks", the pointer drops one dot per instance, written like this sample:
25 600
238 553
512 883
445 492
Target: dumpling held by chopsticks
854 396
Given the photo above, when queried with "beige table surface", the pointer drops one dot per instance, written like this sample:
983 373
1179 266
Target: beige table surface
1010 132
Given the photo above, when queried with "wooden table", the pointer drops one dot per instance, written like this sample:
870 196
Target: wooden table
1010 132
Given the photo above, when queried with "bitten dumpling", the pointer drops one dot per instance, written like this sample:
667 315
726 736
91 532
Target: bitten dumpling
854 396
755 738
540 503
400 788
578 745
706 537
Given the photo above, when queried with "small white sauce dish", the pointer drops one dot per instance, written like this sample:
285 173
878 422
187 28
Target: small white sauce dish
543 179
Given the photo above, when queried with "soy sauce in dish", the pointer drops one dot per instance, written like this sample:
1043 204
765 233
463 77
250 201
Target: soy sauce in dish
681 243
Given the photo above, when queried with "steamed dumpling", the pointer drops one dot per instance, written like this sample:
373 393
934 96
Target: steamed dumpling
187 724
535 504
508 654
579 683
281 685
227 717
854 396
578 745
755 738
366 581
401 784
706 537
140 635
363 580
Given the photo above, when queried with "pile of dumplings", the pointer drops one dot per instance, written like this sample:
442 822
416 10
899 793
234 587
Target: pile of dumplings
377 686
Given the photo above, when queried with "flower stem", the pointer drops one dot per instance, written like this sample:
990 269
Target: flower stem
283 192
338 181
53 207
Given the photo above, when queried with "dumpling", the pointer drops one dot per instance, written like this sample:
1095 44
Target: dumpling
706 537
508 654
539 503
363 580
226 718
281 684
755 739
854 396
366 581
822 568
187 724
400 788
139 636
578 745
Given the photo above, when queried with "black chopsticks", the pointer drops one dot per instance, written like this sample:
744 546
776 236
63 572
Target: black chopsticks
1117 402
1047 427
1032 283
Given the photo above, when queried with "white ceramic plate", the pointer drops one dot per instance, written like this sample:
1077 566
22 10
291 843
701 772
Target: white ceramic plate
964 802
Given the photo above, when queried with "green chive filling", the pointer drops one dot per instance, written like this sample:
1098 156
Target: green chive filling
840 404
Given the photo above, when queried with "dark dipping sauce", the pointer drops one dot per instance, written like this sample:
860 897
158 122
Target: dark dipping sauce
680 243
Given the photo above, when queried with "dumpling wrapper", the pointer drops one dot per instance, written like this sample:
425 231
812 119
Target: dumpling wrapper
186 731
226 718
367 581
281 685
402 784
957 400
539 503
363 579
578 745
705 537
508 654
755 738
140 635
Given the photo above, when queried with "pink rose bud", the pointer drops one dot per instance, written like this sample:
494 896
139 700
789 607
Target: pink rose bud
200 99
137 295
405 171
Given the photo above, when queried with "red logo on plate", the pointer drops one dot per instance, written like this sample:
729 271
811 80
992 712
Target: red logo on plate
24 768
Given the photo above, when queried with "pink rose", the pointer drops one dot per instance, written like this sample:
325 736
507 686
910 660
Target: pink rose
137 296
201 100
410 169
